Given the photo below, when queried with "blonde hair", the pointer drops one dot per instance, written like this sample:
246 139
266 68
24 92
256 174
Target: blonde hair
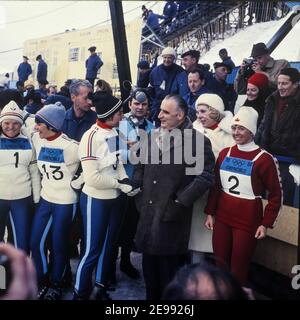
213 113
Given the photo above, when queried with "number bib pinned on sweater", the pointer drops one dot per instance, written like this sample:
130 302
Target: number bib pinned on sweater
235 175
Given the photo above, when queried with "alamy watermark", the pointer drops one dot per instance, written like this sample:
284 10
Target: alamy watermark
296 279
2 278
160 147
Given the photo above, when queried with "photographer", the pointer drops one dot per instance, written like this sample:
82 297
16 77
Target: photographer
262 62
23 285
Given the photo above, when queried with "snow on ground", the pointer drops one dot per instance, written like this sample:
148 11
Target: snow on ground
239 45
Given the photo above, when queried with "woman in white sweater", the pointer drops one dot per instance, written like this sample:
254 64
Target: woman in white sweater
214 123
19 177
100 201
58 161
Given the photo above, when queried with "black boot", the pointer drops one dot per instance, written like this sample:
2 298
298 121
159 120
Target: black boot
53 293
126 265
100 293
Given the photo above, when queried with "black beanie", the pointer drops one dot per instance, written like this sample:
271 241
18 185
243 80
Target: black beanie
106 105
293 73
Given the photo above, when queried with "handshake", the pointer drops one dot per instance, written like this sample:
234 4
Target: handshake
129 187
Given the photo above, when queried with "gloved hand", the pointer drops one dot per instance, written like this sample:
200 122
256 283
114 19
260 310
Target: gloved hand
125 185
295 172
77 183
134 192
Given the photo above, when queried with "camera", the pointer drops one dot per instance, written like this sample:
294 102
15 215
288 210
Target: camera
248 71
5 274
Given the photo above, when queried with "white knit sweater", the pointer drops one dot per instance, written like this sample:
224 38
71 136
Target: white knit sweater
101 164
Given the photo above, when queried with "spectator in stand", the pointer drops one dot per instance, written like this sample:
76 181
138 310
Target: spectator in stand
219 86
52 90
144 74
226 59
28 85
206 67
170 11
42 90
42 69
162 79
24 69
92 64
33 101
153 21
20 87
145 12
279 131
196 84
244 173
257 92
190 61
183 5
263 62
62 96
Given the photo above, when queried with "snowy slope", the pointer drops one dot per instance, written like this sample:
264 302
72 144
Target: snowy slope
239 46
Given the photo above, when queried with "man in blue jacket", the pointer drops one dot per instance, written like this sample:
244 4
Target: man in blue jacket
190 62
93 63
196 84
24 69
42 69
162 78
80 117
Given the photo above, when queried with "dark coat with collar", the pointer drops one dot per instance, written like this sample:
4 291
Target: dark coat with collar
74 127
164 225
42 71
281 136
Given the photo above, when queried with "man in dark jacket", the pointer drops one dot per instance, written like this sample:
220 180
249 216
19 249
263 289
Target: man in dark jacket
219 86
279 132
169 188
162 78
24 69
226 59
42 69
93 63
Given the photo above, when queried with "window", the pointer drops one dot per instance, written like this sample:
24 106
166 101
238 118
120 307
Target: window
73 54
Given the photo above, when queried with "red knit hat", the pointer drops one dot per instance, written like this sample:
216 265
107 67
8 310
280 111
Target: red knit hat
260 80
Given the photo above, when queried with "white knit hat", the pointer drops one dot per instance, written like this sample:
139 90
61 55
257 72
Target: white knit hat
211 100
168 51
246 117
11 112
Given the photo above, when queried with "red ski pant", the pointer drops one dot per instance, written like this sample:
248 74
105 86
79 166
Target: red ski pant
233 249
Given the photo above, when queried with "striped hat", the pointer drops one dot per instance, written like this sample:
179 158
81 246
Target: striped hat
12 112
106 105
